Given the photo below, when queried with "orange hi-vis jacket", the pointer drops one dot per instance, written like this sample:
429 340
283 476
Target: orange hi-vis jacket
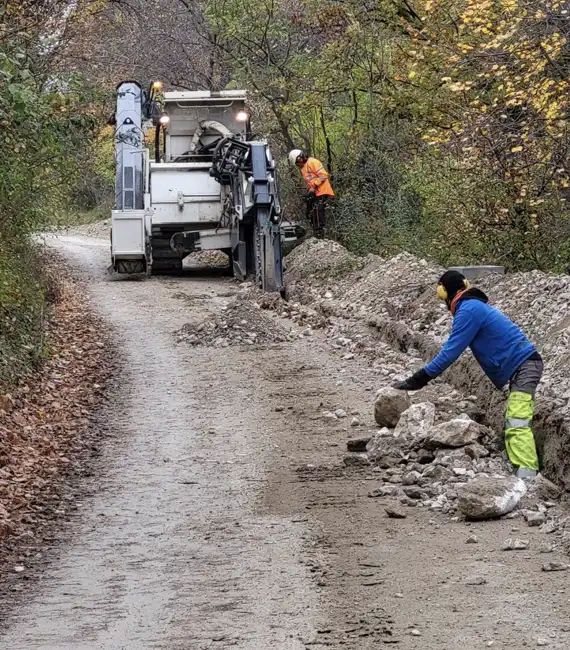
317 178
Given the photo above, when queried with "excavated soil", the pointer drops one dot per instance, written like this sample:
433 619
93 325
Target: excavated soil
395 298
239 324
224 510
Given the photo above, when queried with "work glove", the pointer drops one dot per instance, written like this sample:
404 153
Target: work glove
417 381
309 196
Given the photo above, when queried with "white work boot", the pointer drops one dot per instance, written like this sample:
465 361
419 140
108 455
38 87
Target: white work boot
523 472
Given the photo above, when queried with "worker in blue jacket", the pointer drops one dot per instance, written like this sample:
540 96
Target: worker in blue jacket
504 353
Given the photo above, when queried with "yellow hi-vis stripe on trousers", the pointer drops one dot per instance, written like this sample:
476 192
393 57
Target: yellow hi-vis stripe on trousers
519 440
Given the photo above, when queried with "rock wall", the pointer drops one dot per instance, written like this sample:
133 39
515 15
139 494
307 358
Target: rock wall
396 298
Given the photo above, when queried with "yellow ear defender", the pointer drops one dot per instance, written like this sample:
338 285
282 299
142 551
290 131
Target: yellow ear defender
442 291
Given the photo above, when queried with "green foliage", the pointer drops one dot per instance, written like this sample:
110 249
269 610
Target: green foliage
93 191
444 124
47 131
22 309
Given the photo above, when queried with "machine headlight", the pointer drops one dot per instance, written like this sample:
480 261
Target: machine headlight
164 119
242 116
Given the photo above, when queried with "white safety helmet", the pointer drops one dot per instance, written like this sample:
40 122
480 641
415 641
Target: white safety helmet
294 154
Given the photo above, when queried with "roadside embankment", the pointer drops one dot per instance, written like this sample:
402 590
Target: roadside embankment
396 299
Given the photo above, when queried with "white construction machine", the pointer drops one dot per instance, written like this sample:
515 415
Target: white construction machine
208 186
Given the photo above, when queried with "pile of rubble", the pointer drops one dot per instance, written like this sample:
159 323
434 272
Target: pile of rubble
395 301
426 463
239 324
448 466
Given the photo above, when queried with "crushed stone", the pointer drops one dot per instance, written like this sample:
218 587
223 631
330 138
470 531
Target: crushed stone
239 324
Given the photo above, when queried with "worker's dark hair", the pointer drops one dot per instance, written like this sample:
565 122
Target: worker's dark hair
452 281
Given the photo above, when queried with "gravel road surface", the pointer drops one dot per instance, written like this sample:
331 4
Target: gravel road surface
221 514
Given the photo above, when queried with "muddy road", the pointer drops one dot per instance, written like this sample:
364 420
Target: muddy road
221 515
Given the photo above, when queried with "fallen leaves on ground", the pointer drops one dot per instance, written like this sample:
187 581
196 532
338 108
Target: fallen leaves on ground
44 421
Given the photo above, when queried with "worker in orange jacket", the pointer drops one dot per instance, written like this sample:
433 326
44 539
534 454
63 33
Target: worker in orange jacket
319 189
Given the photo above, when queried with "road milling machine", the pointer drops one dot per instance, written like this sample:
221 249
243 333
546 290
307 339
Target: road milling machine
207 185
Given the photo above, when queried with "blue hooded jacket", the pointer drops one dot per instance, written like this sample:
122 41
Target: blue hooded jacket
497 343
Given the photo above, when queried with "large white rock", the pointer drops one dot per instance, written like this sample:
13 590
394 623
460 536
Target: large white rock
389 406
488 497
416 421
455 433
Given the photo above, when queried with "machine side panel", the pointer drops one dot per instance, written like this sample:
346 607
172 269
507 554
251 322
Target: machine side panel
185 196
198 213
128 233
197 184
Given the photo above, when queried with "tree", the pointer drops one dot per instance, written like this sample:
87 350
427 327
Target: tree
46 128
499 71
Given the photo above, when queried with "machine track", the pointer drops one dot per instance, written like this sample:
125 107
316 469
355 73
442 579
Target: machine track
164 259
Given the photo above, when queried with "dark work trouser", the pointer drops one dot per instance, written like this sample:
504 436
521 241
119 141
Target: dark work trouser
316 212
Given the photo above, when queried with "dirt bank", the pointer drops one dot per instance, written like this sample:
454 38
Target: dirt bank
396 298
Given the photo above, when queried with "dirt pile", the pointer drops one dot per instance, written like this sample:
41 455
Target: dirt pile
253 317
319 260
395 299
44 423
207 259
241 323
301 315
